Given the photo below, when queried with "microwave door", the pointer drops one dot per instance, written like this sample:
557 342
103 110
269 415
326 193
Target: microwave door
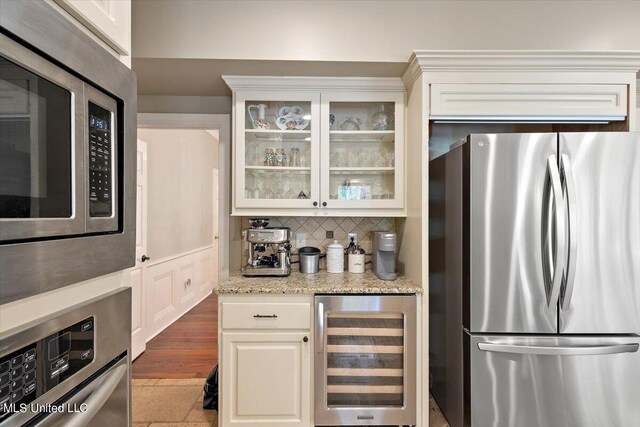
101 160
601 179
41 147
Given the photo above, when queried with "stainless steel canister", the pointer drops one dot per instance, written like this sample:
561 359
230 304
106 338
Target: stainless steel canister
309 259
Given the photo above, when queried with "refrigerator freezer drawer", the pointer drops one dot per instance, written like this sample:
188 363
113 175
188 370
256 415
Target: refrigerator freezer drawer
554 381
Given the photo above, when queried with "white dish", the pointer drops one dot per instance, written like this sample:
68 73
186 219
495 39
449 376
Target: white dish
301 123
289 122
297 111
284 111
286 123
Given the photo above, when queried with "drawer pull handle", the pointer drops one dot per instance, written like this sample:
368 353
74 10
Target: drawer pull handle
265 316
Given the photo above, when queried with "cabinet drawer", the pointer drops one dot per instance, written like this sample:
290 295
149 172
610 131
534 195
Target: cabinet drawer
249 315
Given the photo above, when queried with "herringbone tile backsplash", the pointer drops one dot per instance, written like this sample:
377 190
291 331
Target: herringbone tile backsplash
316 228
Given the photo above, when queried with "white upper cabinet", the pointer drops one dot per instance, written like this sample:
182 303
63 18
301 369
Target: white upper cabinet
109 20
529 100
318 146
277 149
363 150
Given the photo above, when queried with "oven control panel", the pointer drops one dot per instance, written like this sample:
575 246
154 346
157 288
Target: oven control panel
67 351
29 372
100 161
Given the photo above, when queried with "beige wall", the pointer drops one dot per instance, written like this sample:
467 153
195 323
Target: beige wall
374 30
184 104
180 189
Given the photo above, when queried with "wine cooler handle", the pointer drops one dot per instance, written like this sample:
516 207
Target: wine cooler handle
320 328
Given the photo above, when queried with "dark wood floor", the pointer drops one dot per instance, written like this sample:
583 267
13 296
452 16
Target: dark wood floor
186 349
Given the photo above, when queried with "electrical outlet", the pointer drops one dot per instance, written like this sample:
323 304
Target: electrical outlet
328 234
353 236
301 240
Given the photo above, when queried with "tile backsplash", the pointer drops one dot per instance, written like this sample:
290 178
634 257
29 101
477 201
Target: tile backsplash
315 229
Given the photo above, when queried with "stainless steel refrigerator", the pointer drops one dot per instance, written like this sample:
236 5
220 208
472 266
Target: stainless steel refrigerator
535 280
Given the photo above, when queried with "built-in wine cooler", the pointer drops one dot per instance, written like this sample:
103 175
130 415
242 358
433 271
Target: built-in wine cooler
365 360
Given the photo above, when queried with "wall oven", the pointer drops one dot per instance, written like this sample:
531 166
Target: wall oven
70 368
67 154
365 360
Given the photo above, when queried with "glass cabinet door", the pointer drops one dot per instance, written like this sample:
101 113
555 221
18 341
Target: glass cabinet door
277 150
363 150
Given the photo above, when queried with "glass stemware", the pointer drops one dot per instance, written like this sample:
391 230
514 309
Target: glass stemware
268 186
290 183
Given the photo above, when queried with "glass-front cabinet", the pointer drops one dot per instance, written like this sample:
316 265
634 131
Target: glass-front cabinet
277 150
318 146
362 150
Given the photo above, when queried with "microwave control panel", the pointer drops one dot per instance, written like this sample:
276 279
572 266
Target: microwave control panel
31 371
101 152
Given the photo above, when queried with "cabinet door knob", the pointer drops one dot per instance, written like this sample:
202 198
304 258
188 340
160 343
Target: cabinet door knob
305 339
324 203
315 203
144 258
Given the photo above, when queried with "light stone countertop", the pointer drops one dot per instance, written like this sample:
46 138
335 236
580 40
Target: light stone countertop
319 283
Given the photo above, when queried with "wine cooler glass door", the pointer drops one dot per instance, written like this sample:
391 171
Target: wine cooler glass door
365 359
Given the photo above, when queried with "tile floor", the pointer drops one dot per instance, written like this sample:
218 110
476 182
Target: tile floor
178 403
170 403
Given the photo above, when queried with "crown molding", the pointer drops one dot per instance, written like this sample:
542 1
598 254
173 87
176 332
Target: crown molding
520 60
318 83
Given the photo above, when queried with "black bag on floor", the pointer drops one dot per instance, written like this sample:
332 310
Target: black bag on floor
210 400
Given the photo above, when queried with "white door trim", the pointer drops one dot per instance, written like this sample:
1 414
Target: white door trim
222 123
137 273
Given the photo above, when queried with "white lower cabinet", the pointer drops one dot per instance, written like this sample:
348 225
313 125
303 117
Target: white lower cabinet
265 346
267 379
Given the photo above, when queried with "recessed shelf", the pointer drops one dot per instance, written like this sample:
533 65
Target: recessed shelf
362 135
361 170
295 136
362 132
272 131
278 168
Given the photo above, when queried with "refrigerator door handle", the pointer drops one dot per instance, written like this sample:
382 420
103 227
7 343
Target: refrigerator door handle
570 191
555 248
579 350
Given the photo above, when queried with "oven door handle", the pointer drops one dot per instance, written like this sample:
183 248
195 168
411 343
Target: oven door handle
97 398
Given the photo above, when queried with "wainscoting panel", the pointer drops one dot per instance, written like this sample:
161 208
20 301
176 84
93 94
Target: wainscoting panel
162 286
187 284
174 285
203 272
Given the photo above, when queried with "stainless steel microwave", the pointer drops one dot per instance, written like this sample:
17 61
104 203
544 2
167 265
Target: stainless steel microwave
67 154
58 150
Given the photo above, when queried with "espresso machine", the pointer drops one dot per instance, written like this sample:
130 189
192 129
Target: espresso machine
383 261
269 249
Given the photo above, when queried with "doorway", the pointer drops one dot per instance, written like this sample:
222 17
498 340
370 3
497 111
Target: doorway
174 339
186 217
177 226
